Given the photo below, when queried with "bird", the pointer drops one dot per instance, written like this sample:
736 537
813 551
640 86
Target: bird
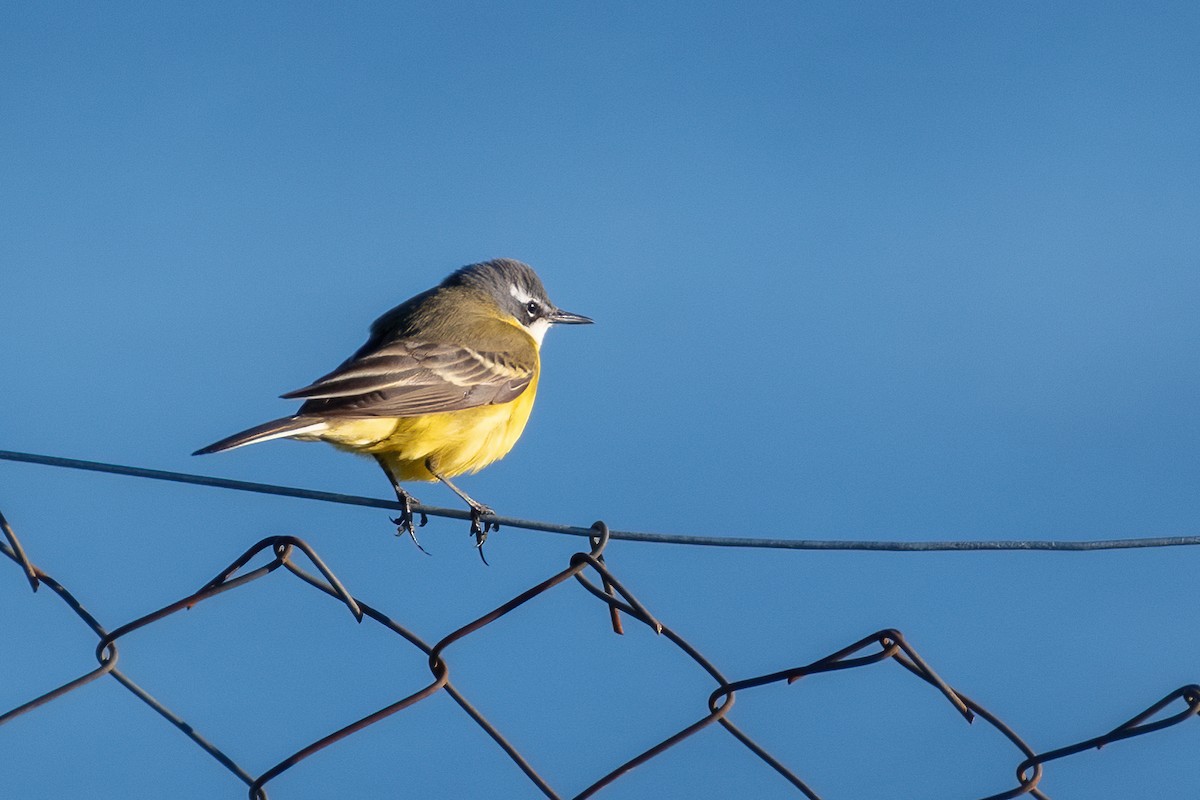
443 385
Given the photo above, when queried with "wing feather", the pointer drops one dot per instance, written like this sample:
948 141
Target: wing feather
408 378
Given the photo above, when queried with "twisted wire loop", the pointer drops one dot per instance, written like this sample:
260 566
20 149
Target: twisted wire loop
590 570
892 646
36 578
1138 726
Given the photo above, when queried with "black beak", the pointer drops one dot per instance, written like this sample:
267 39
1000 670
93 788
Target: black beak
560 317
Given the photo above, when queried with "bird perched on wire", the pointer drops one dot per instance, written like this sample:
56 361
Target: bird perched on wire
443 386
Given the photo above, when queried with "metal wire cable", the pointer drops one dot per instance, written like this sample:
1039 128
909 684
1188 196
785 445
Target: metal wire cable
631 536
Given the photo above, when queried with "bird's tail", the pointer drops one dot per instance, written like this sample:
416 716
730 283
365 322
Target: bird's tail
275 429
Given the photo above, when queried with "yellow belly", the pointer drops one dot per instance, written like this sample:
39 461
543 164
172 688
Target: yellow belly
454 441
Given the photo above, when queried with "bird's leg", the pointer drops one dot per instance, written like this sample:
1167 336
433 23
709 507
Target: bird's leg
404 522
479 526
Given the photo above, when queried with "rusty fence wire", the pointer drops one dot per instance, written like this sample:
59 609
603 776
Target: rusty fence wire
588 570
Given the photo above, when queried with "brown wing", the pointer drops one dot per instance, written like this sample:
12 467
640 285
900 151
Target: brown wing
409 378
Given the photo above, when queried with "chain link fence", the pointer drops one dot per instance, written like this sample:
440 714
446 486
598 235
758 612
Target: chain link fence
587 571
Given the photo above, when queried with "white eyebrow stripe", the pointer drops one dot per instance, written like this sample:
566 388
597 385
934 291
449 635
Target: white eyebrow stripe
519 293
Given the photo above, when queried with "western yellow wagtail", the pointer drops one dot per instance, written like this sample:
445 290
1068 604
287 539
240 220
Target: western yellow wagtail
444 385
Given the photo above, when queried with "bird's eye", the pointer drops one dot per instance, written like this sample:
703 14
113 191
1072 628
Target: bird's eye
532 307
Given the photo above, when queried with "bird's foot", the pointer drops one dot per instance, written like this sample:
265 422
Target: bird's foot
405 523
480 527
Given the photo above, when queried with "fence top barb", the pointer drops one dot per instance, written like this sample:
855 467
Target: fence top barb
1061 545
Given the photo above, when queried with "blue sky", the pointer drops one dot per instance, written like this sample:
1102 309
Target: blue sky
858 270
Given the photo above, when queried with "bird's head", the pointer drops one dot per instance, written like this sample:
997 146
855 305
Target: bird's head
518 291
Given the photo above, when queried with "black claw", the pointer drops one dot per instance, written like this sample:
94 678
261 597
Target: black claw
480 527
404 522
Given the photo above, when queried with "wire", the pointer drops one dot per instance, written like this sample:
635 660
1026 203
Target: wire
632 536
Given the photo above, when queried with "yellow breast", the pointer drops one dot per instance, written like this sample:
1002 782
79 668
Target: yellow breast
455 441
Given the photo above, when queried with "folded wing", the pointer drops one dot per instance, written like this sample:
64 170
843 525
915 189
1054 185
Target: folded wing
407 378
